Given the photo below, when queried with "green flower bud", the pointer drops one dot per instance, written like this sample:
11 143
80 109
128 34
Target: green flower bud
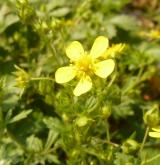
55 23
151 117
75 152
130 146
22 77
23 1
106 111
65 117
82 121
44 26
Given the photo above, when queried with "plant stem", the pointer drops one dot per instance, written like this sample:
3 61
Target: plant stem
144 139
136 82
41 78
107 131
153 158
112 80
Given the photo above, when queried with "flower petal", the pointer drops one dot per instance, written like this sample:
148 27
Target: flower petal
104 68
154 134
99 47
65 74
75 50
83 86
157 129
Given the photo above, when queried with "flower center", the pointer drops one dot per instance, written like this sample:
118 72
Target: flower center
85 64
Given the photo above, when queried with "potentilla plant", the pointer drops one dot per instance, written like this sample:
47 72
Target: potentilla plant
68 104
85 120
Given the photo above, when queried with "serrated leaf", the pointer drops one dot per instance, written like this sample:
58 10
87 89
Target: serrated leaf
52 159
52 123
52 136
20 116
34 144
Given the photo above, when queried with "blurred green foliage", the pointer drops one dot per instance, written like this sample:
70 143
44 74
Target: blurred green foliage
41 122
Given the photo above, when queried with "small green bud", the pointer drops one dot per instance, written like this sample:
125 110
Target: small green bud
23 1
22 77
55 23
75 152
151 117
65 117
82 121
41 27
106 111
16 36
44 26
130 146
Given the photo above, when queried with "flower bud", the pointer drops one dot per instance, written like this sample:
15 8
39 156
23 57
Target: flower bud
22 77
23 1
44 26
75 152
130 146
82 121
151 117
106 111
65 117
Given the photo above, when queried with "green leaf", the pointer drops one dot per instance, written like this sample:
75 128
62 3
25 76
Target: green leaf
149 153
111 30
20 116
53 123
7 17
61 12
125 22
52 159
34 144
52 136
124 159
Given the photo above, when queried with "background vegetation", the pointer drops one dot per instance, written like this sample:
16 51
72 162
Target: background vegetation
42 122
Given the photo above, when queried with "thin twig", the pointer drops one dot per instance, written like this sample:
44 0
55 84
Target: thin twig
144 140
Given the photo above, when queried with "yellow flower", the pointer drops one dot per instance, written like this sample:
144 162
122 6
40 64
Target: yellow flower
153 34
113 50
84 65
156 133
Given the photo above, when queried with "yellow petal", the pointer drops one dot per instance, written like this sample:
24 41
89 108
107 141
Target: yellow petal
104 68
99 47
83 86
157 129
75 50
65 74
154 134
